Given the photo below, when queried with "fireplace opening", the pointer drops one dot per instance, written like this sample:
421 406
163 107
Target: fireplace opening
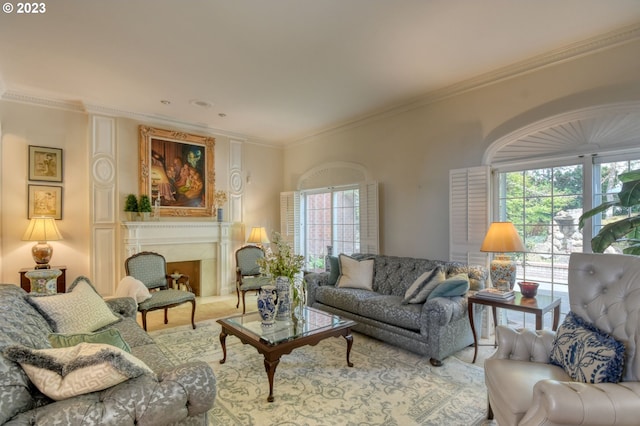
190 268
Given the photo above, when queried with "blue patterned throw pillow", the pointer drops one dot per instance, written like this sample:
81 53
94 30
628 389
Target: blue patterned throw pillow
586 353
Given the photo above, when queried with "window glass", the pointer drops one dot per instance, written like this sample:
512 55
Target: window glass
332 223
544 205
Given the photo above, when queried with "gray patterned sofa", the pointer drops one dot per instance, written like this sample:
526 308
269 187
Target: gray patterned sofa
172 395
436 328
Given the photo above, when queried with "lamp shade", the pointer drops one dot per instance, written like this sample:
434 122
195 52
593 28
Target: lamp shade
42 228
258 236
502 237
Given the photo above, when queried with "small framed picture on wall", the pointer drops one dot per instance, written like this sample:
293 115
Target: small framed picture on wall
45 201
45 164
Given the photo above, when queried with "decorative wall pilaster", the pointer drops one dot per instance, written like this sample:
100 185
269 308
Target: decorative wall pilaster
103 226
236 182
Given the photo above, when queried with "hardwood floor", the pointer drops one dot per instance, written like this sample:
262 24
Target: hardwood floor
206 308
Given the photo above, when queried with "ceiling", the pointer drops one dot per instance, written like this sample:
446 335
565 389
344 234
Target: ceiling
278 71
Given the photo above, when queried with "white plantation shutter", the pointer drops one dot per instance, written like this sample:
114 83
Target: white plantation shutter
469 201
369 240
290 219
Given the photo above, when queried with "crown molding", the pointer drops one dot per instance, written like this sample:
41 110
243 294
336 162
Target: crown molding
572 51
39 100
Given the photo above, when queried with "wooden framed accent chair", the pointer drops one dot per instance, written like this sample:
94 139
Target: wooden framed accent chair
586 373
151 269
248 276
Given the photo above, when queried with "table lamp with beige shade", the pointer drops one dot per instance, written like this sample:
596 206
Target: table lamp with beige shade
258 236
42 229
502 238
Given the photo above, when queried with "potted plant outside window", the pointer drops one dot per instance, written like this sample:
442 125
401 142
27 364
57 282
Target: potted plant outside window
625 230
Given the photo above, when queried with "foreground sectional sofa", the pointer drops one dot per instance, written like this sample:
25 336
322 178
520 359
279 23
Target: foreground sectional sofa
167 394
436 328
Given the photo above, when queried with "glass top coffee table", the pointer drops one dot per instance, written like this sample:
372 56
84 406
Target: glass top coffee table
285 336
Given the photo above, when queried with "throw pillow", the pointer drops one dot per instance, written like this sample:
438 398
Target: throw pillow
586 353
423 286
334 269
131 287
62 373
82 310
457 285
110 336
355 273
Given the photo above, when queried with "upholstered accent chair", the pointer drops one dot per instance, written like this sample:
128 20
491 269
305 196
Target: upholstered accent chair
248 277
151 269
525 388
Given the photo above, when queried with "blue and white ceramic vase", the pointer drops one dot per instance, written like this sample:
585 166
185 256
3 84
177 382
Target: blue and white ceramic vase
283 287
267 305
219 214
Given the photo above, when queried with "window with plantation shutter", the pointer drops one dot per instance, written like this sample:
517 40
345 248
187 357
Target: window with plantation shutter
344 217
290 219
469 199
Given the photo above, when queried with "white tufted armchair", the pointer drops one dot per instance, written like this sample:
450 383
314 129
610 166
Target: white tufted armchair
525 389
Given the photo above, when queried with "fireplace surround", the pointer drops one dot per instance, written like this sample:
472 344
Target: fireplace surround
206 241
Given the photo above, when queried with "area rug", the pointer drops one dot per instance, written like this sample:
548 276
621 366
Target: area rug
314 386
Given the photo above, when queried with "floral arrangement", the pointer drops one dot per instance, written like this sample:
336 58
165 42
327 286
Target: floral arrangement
219 198
282 263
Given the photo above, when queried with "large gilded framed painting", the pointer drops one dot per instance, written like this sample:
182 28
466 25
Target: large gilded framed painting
177 171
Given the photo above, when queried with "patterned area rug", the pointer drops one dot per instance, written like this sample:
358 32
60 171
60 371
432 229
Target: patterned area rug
314 386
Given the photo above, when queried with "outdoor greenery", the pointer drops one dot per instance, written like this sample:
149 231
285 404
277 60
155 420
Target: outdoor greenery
625 228
539 208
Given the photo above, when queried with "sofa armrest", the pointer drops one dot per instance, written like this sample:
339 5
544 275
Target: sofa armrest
125 306
585 404
315 280
178 393
523 344
441 311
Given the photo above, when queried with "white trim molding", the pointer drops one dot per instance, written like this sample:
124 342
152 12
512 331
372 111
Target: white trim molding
586 131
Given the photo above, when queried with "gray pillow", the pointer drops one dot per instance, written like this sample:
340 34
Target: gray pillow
423 286
457 285
334 269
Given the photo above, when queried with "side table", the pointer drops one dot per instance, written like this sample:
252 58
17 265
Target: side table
25 283
538 306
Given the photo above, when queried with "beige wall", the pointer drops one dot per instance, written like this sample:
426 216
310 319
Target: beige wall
410 154
24 125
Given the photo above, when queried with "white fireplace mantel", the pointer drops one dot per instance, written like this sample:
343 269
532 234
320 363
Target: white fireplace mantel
207 241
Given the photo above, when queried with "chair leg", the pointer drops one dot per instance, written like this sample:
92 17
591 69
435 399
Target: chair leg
144 320
244 305
193 314
238 294
489 410
166 317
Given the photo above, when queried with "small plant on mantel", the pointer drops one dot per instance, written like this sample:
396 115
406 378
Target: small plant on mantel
145 205
131 206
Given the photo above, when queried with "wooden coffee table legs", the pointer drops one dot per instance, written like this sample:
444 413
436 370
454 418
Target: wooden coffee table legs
272 354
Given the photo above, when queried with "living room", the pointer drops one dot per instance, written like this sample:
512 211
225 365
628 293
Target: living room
408 144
